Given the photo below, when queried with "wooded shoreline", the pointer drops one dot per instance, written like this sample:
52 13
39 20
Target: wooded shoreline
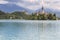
25 16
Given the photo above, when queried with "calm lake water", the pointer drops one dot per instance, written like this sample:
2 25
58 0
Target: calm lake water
30 30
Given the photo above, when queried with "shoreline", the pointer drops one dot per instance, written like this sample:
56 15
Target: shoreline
16 20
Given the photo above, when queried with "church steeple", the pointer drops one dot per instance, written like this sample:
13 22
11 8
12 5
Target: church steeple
42 10
42 7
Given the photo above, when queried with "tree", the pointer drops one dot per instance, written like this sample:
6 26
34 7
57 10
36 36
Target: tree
54 16
50 16
2 13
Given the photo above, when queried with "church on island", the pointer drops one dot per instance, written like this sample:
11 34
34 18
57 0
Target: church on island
24 15
42 15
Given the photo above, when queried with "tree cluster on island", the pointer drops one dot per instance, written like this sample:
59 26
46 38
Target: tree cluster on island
25 16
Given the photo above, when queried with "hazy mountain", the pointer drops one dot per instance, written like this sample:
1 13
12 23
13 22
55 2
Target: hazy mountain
13 7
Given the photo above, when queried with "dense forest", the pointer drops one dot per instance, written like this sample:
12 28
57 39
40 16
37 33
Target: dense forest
25 16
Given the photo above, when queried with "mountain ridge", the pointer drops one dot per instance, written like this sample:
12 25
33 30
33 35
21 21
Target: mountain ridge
12 8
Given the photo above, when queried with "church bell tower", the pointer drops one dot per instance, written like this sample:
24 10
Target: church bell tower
42 7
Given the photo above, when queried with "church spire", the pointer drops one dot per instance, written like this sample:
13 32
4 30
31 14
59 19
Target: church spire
42 10
42 7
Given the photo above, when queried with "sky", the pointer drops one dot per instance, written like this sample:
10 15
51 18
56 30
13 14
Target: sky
34 4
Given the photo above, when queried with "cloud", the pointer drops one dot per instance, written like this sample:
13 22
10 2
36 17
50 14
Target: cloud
3 2
33 4
55 4
29 6
31 1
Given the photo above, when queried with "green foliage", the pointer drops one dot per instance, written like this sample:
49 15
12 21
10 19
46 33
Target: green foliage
23 15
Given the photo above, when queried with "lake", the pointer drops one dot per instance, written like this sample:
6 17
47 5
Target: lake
29 30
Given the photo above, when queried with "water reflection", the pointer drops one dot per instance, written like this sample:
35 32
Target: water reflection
29 31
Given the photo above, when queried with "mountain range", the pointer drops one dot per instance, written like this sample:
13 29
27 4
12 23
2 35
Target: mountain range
13 7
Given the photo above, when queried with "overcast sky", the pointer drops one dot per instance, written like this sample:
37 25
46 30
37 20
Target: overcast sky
33 4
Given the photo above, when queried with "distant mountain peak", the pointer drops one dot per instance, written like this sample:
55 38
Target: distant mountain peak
12 8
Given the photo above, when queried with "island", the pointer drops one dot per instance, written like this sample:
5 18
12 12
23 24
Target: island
26 16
